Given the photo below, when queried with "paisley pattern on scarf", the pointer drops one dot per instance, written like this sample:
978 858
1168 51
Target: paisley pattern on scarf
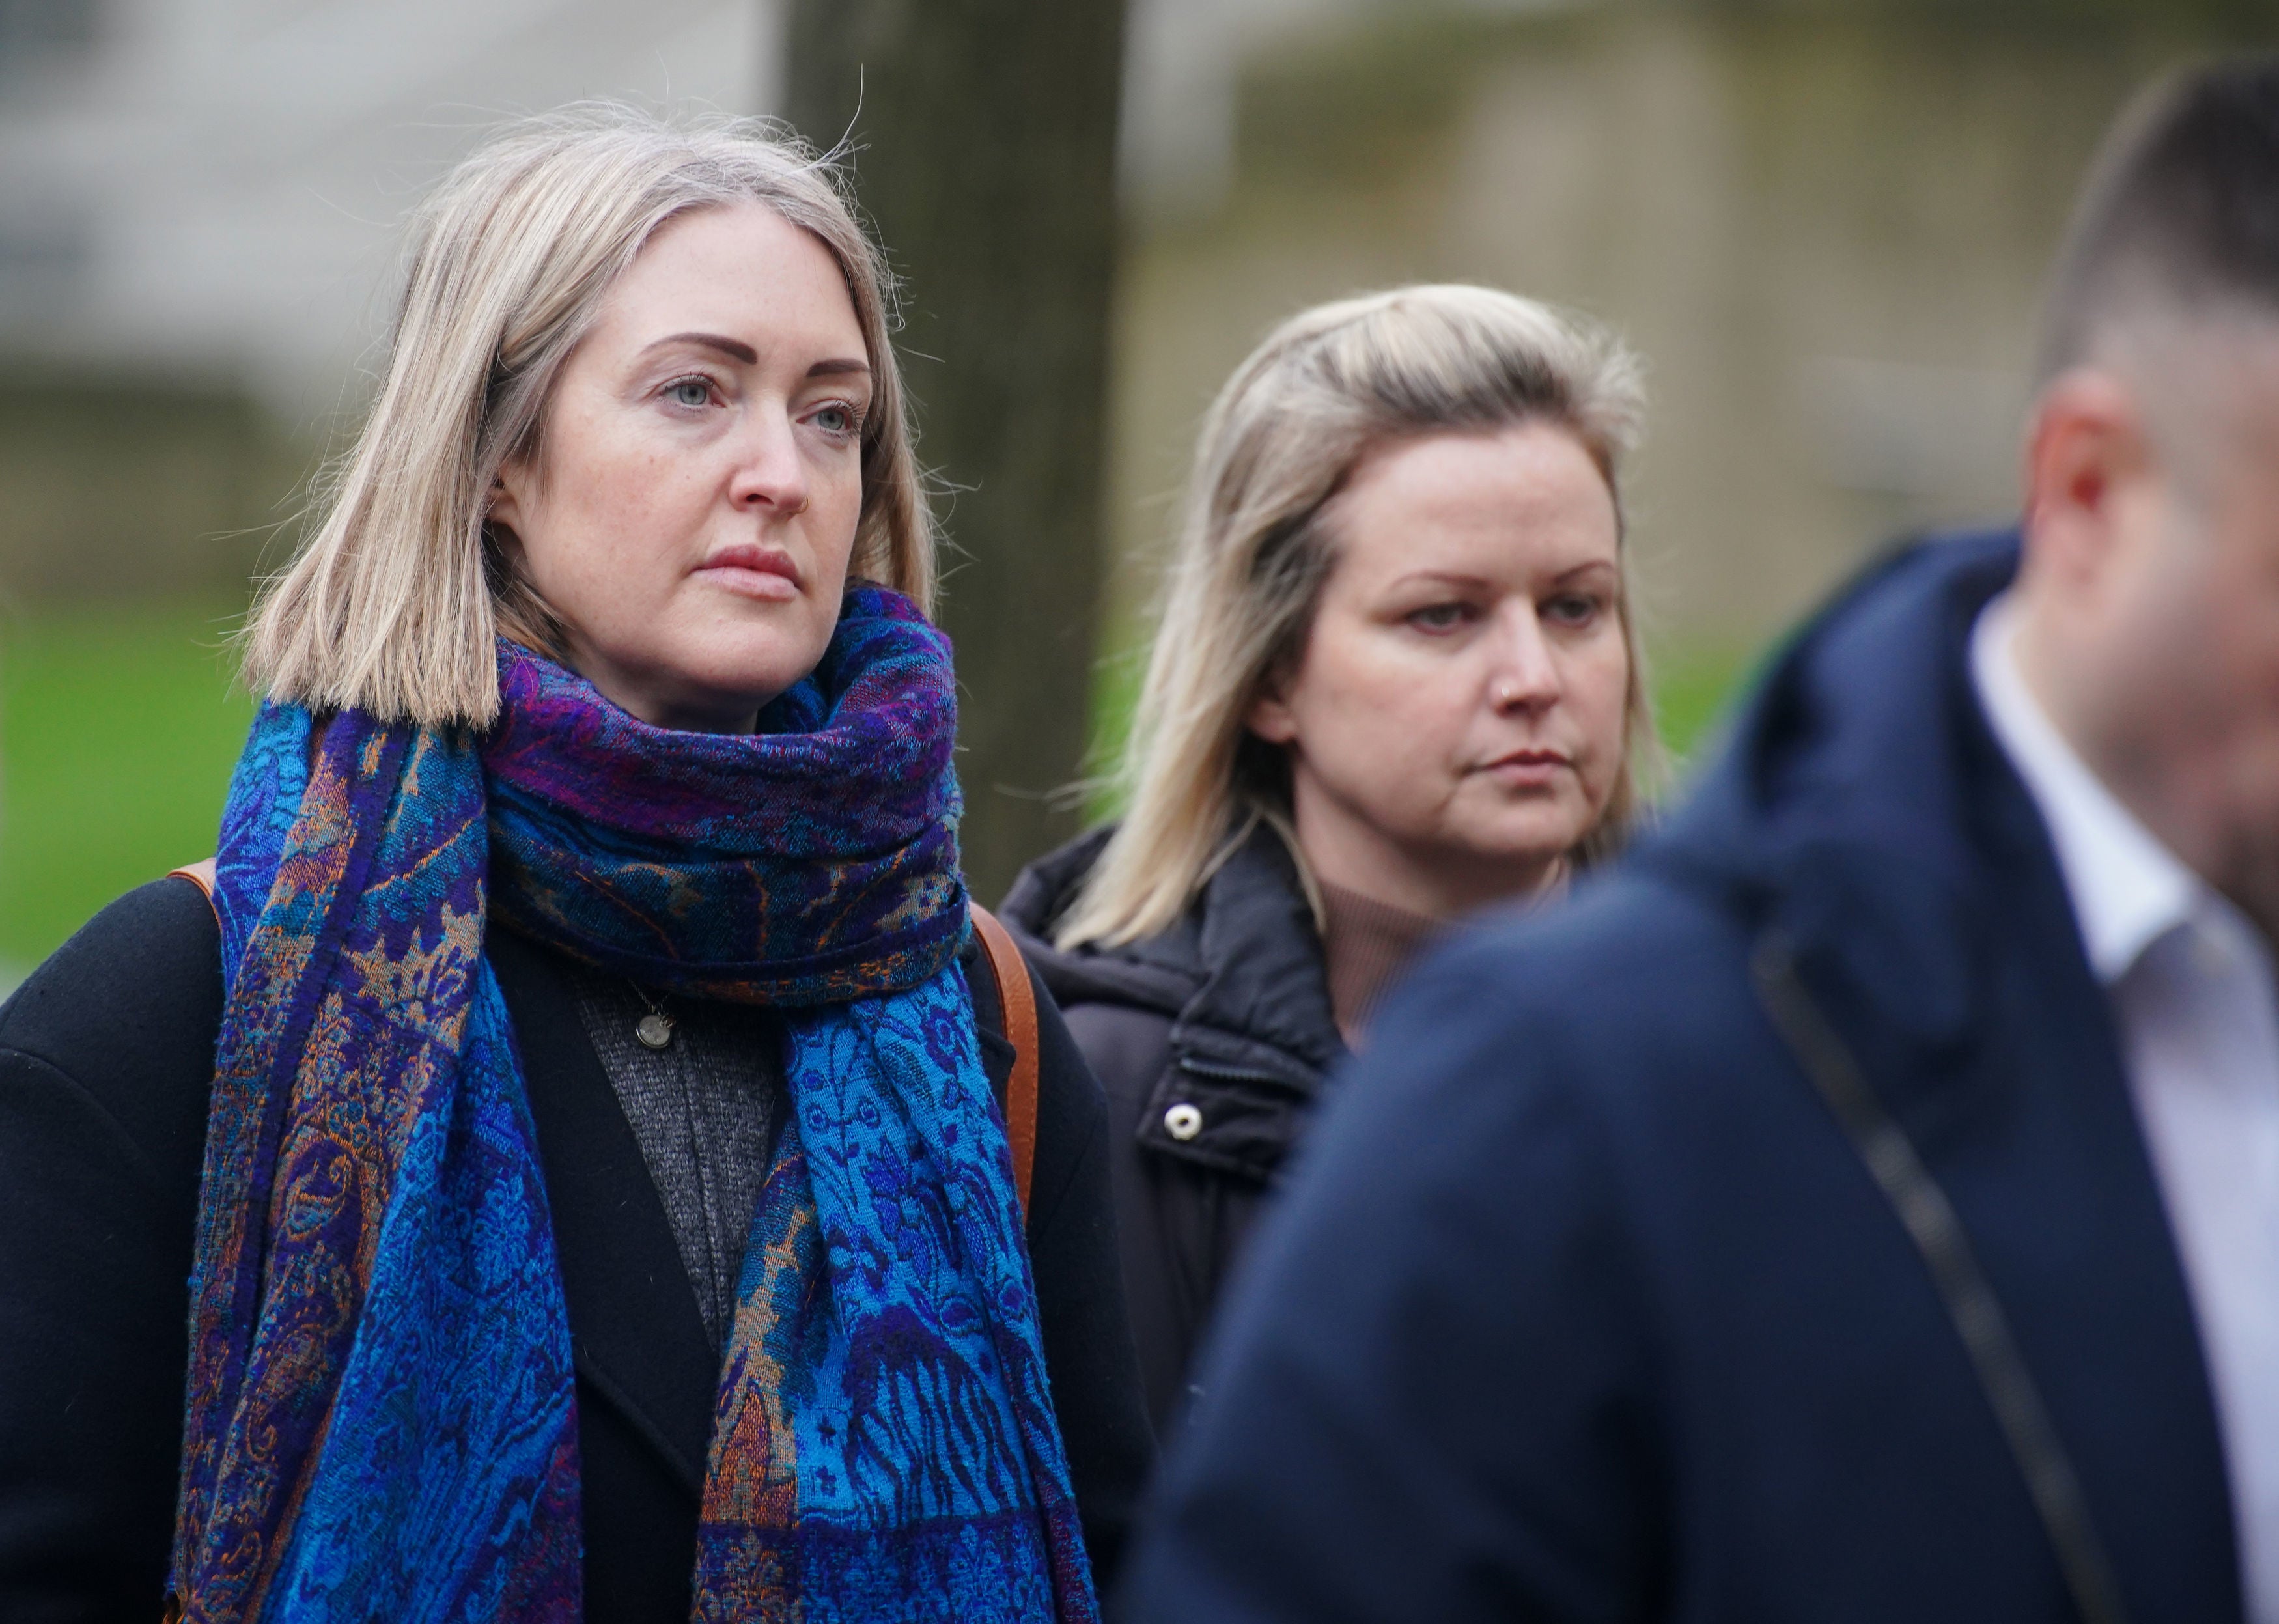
381 1417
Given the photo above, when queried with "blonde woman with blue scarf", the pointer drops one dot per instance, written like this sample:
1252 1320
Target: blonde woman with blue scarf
580 1117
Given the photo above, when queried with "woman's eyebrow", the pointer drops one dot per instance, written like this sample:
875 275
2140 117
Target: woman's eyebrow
735 349
1447 578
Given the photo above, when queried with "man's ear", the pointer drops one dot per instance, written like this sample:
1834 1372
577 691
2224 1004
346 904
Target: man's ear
2087 452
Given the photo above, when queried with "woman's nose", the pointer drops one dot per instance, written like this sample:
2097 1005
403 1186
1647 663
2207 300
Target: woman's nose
1524 676
770 472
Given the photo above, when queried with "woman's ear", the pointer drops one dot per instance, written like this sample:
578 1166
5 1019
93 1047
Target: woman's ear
503 506
1268 715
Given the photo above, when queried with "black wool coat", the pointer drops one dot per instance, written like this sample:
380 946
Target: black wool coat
107 1064
1212 1039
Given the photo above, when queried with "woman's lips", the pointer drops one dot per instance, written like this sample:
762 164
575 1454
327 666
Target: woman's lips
1521 768
766 574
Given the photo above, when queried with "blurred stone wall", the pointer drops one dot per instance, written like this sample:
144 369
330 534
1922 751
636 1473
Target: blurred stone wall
139 489
1824 221
1825 227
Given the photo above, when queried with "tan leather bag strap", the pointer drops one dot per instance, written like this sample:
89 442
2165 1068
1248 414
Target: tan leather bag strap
200 875
1018 1002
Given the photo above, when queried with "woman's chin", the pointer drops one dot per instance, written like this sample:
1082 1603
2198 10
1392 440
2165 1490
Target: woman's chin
1539 827
711 705
715 692
1525 853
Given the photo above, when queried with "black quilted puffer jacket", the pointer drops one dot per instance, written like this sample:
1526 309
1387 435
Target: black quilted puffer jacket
1212 1040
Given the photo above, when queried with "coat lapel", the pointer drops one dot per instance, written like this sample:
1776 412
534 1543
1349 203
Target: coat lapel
635 1331
637 1336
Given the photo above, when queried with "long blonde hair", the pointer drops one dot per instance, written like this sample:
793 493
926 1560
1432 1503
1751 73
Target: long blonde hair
1254 551
394 603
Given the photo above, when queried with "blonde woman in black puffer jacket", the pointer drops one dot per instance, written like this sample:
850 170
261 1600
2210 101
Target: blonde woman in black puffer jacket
1396 681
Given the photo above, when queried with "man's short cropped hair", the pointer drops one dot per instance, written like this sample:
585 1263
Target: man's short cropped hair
2181 214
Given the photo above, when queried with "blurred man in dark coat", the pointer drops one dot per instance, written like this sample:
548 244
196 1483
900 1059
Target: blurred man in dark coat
1864 1205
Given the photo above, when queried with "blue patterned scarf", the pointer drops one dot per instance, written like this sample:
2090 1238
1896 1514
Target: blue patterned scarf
381 1416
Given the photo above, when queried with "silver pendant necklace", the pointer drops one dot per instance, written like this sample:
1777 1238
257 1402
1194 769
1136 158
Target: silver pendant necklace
655 1028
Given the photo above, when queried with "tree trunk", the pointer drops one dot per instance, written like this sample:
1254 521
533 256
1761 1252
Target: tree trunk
987 131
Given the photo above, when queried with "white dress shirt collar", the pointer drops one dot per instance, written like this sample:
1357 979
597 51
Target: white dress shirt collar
2128 890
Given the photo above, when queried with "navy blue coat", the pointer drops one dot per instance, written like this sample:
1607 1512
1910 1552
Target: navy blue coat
1584 1307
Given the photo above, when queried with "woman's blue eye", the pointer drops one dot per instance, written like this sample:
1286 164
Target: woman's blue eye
690 392
1437 617
838 420
1573 611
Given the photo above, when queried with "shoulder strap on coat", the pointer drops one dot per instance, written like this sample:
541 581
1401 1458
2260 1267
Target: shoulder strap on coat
200 874
1930 1219
1019 1002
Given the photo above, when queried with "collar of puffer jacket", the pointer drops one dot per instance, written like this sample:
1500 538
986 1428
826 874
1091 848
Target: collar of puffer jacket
1240 978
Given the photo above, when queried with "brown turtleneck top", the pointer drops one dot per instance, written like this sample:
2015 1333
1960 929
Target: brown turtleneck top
1366 944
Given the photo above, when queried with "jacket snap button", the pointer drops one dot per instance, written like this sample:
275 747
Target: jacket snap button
1183 1121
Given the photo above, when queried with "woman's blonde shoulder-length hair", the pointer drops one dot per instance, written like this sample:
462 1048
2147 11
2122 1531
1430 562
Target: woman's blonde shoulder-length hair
394 602
1255 549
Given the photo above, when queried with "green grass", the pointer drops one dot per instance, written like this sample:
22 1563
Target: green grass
118 725
1692 685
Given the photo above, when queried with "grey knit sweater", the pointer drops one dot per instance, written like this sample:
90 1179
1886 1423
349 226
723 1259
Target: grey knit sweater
703 1109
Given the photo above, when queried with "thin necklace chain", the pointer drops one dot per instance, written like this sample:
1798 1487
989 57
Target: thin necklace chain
655 1028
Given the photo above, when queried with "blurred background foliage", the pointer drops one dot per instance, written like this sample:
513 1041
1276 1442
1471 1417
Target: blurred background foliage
1824 221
